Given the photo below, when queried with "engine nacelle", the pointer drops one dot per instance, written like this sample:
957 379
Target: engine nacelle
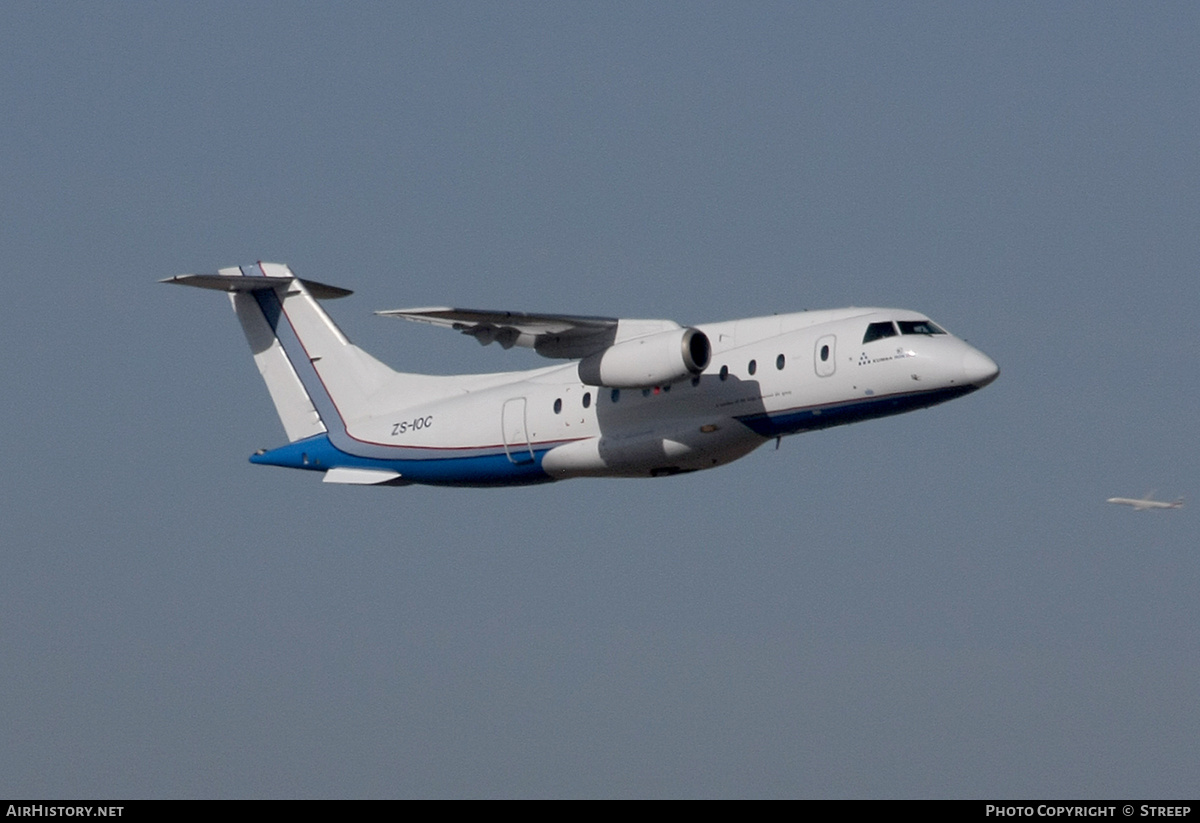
653 360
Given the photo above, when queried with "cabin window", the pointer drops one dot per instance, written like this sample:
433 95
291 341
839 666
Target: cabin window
878 331
824 353
558 406
724 372
919 327
752 367
587 399
779 361
616 395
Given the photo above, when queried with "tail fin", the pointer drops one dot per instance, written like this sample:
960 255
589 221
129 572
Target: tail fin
317 378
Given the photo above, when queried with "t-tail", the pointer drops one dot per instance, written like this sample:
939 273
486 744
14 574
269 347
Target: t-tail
317 378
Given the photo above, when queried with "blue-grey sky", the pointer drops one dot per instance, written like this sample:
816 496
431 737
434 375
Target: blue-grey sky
933 605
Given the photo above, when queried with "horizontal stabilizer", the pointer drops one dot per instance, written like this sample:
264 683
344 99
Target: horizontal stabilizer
244 283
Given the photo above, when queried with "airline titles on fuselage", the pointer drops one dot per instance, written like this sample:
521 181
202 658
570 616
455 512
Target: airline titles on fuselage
864 360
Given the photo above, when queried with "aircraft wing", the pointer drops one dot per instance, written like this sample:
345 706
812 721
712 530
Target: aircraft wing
564 336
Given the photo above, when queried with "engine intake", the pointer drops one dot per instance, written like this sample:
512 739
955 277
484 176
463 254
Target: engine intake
653 360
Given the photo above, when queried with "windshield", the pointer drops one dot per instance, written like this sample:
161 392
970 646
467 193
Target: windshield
919 327
877 331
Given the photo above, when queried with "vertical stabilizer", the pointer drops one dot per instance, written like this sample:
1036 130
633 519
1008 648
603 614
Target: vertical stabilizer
316 377
292 403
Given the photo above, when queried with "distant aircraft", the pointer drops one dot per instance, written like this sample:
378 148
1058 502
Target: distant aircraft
1147 502
640 398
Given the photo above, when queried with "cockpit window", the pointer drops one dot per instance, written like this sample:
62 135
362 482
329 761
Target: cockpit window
919 327
877 331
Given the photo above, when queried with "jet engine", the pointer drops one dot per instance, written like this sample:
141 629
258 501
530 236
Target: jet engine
653 360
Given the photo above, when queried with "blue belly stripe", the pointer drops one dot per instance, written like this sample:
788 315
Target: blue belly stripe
317 453
793 421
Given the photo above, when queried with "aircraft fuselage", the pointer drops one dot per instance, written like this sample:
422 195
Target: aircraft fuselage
767 377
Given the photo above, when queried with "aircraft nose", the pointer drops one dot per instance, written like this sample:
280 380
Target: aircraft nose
979 368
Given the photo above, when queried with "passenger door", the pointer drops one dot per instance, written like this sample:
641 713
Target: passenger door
514 431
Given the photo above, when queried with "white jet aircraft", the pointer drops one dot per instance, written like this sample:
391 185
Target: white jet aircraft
1145 503
640 398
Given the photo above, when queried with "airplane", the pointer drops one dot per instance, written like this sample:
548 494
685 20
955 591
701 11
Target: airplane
637 398
1146 503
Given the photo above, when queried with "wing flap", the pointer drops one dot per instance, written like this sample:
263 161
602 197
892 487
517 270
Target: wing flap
550 335
557 336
